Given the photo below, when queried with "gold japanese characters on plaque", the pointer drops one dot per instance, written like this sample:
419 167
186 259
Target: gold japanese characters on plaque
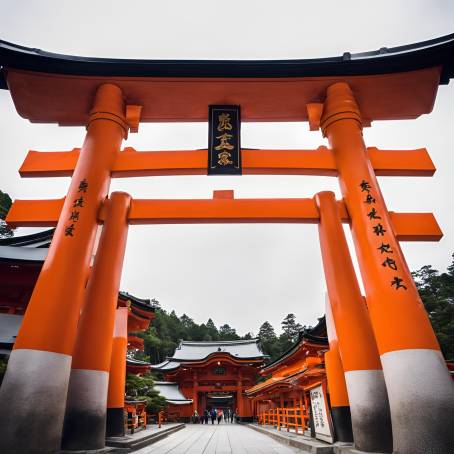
224 151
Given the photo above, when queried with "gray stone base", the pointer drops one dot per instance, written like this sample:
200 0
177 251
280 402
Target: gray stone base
302 442
306 443
142 438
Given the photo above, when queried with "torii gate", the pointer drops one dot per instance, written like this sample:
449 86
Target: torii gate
388 348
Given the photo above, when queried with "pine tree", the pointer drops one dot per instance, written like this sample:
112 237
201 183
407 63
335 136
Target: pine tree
437 294
212 331
228 333
290 328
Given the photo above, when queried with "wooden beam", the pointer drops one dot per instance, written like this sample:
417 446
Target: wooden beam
132 163
45 213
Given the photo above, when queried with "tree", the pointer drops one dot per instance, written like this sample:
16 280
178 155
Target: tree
142 388
437 294
228 333
266 332
5 205
268 340
290 328
212 330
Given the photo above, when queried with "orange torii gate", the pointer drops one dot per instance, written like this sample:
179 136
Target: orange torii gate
53 369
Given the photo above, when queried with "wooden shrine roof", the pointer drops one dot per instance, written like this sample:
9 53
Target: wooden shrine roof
394 83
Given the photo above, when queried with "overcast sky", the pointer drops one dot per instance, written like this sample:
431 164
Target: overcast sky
236 274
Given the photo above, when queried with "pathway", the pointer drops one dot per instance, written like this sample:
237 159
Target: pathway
214 439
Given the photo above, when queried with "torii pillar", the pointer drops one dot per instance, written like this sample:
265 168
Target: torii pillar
86 407
420 389
338 394
33 393
366 387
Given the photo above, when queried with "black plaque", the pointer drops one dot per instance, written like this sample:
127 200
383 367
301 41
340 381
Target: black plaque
224 150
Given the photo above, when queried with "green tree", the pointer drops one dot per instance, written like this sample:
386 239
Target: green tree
226 332
5 205
268 341
437 294
142 388
212 330
290 328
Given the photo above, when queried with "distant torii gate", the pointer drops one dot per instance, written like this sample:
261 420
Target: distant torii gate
394 353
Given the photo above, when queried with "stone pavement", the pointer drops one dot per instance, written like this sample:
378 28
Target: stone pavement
217 439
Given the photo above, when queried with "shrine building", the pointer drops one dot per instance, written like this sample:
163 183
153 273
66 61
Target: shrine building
211 375
289 378
21 260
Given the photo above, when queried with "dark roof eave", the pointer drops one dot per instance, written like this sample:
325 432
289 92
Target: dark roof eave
426 54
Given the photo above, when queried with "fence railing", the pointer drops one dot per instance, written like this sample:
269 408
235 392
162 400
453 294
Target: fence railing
289 418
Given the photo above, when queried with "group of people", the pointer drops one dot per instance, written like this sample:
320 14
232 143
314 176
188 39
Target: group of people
214 414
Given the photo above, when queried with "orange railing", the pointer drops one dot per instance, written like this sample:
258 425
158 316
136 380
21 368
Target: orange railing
289 418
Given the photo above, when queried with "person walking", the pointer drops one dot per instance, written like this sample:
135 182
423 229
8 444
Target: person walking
219 415
206 414
232 415
213 415
227 415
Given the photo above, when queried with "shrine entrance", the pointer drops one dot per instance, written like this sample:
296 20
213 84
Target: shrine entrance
390 359
223 401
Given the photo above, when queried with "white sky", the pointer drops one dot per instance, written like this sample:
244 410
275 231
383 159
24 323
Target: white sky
236 274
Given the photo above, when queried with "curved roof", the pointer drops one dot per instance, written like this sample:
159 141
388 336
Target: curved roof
193 351
54 88
171 392
425 54
30 248
196 351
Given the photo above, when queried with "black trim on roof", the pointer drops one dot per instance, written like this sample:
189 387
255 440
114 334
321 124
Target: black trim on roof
425 54
29 240
144 304
136 362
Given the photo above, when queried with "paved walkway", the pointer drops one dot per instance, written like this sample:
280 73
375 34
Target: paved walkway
214 439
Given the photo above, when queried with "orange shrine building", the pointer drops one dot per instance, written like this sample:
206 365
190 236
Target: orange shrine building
210 375
288 378
21 260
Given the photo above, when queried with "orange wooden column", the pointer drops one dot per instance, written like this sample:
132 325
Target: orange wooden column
340 405
41 360
420 391
363 373
117 376
85 420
